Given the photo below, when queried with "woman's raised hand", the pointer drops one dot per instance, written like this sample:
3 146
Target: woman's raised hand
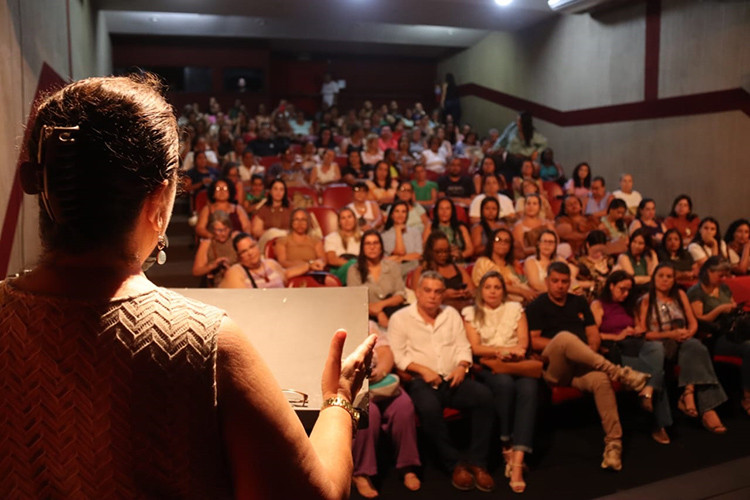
345 377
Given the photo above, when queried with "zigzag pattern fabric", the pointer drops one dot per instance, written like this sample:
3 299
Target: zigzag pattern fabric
109 400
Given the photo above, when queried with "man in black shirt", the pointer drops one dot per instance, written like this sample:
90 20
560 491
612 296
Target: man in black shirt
454 185
564 331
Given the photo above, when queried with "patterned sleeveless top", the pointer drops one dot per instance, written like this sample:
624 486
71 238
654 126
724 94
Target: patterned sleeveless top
110 399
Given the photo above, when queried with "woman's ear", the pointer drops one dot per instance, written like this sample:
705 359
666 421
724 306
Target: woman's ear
158 206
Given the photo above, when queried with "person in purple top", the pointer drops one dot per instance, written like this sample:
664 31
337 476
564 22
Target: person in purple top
614 314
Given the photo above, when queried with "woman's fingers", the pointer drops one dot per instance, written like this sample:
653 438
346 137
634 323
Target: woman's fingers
332 368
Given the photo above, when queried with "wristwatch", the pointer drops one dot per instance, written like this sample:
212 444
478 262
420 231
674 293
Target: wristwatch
346 405
466 366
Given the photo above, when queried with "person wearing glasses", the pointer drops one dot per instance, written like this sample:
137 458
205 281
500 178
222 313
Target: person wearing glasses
222 196
459 289
300 246
215 254
499 256
252 270
418 219
367 211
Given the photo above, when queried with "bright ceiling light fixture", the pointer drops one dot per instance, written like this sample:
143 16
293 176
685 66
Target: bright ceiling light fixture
503 3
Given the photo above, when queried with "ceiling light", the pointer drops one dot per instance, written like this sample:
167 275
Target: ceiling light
503 3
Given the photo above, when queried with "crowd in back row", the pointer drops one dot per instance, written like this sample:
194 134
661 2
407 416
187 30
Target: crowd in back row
500 236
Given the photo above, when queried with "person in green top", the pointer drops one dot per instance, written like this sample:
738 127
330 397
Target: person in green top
425 191
712 303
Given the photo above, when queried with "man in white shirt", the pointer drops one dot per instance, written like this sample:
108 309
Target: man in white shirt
491 187
429 342
632 198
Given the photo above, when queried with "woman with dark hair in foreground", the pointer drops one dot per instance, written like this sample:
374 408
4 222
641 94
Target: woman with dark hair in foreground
176 402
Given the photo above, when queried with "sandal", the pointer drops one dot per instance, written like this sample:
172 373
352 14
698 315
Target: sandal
517 486
715 424
688 409
507 458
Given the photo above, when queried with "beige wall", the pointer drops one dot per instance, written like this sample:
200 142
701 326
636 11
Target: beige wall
579 62
34 33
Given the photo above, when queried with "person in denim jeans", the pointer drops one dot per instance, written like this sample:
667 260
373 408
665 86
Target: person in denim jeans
666 315
614 314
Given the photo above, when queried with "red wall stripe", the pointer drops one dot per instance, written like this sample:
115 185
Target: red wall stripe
48 80
694 104
653 36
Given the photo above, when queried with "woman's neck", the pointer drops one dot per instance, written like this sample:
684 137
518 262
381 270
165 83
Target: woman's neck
276 203
499 259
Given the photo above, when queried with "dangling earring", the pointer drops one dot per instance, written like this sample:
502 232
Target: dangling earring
161 255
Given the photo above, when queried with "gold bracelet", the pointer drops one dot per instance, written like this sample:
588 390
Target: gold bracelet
346 405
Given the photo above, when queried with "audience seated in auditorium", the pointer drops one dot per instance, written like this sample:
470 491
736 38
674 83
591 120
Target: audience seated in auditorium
300 246
354 171
613 224
489 221
639 260
572 225
439 379
386 291
433 157
253 270
707 242
645 217
623 342
201 175
595 263
393 413
738 246
486 167
289 169
491 186
666 315
382 186
367 211
530 186
528 228
564 332
275 212
445 219
459 289
499 335
372 153
249 166
342 246
672 251
529 173
215 254
579 183
549 169
401 243
499 256
222 196
418 218
535 266
713 304
599 199
327 172
455 184
425 190
632 198
682 218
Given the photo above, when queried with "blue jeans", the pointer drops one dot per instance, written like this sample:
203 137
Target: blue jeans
726 347
516 400
470 396
696 368
650 360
